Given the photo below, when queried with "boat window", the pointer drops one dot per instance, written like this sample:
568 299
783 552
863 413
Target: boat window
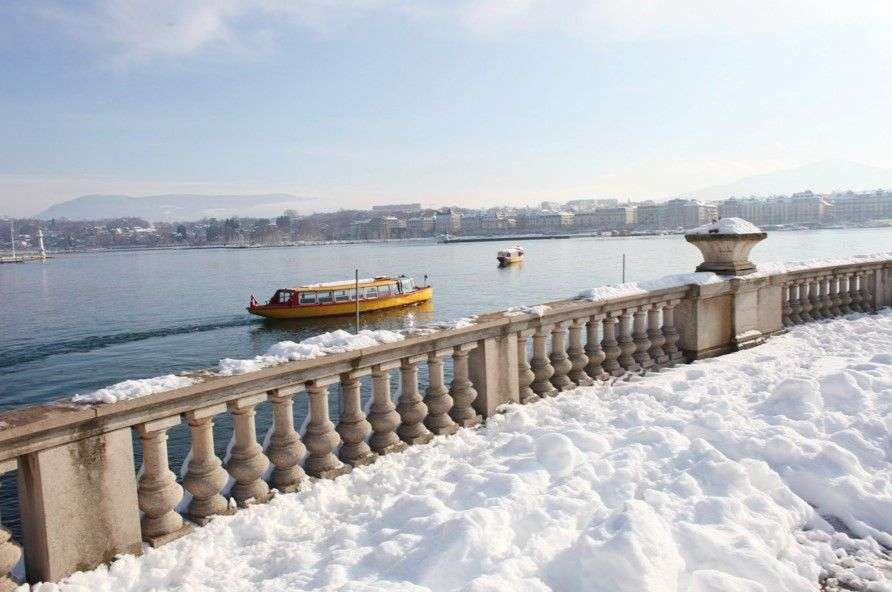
284 296
406 285
308 297
341 296
325 298
371 292
384 290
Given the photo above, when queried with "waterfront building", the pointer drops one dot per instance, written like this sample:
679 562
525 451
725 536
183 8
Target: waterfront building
616 218
447 221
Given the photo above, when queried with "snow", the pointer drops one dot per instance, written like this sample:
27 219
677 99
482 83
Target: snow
538 310
313 347
603 293
762 470
726 226
133 389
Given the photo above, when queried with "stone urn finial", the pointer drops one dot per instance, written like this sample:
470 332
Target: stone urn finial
726 244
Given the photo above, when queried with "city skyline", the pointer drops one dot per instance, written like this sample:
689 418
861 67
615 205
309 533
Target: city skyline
475 103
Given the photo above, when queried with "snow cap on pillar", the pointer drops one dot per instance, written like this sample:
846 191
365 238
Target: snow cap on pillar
726 244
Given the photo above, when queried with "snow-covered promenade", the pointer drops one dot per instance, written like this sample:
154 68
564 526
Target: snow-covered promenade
763 470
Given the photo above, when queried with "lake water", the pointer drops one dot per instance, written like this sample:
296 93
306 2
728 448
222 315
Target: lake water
80 322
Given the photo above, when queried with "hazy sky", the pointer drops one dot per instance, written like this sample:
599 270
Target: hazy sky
463 102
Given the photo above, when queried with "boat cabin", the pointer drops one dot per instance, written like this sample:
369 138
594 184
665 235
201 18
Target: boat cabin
342 292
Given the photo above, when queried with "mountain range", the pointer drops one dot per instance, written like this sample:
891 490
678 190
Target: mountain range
173 207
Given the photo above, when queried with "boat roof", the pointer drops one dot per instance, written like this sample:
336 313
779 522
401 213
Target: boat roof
346 284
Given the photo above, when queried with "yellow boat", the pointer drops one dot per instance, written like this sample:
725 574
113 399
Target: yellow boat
332 299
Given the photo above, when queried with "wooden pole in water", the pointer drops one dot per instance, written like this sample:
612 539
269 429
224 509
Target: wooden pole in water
356 297
624 268
12 236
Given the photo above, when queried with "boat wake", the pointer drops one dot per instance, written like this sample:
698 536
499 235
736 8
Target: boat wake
14 356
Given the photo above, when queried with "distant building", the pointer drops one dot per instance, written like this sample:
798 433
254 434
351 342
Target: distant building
553 221
587 205
861 207
397 208
420 226
447 221
799 208
606 218
675 214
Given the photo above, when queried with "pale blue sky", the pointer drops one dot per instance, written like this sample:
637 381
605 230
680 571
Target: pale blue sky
467 102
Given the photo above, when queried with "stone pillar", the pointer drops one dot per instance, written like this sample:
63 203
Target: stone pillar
437 398
671 334
786 309
247 463
492 366
577 354
795 304
867 302
410 406
382 412
541 366
656 337
845 293
626 343
353 426
525 376
320 437
10 553
559 360
855 292
814 298
639 337
205 477
610 346
285 449
804 301
461 389
65 492
158 491
826 302
593 349
833 293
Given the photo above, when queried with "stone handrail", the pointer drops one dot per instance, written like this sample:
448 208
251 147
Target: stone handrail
81 499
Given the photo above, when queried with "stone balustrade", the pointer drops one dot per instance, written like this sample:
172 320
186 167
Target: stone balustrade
82 503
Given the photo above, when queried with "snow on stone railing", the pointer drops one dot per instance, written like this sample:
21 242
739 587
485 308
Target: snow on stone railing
76 458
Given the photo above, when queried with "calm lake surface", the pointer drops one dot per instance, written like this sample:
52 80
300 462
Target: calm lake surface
81 322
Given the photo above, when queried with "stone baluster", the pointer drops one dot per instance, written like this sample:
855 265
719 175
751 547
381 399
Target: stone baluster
610 346
437 398
461 389
786 309
805 301
867 303
845 293
855 292
382 412
576 354
320 437
541 366
10 553
410 406
795 304
205 477
674 354
655 334
247 462
158 490
640 338
835 300
525 375
814 298
824 295
558 358
353 427
626 342
285 449
593 349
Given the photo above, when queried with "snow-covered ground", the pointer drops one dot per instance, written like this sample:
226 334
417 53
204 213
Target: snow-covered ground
762 471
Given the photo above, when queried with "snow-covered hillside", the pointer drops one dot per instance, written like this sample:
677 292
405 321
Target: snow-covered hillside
762 471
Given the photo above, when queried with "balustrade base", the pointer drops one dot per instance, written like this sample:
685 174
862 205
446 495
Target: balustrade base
8 585
258 499
416 440
157 541
330 473
361 461
393 448
447 430
205 520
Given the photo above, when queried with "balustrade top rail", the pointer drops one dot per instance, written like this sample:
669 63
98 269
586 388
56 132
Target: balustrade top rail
38 427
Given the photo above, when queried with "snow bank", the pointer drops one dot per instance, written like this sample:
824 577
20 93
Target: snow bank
133 389
726 226
288 351
714 477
